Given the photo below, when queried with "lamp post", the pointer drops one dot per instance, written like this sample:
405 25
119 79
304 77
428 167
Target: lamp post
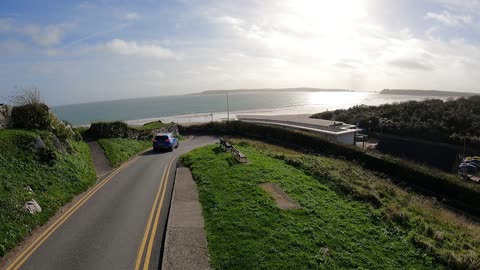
228 109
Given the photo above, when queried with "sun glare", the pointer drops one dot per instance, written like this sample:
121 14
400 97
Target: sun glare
327 17
325 29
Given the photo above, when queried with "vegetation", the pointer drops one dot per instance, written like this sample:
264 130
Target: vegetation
351 217
53 184
451 121
118 129
119 150
448 188
153 125
26 96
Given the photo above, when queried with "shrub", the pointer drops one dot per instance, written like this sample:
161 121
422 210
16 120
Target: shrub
116 129
32 116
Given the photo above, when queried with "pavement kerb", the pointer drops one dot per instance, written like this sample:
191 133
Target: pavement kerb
176 255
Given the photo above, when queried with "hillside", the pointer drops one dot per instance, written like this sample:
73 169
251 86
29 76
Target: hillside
350 217
35 165
431 93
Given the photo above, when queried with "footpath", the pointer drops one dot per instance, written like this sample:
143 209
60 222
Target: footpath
185 241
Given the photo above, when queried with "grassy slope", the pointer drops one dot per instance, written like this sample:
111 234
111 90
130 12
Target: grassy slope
245 230
119 150
53 186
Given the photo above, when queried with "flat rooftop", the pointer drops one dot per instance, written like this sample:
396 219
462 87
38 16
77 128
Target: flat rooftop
301 120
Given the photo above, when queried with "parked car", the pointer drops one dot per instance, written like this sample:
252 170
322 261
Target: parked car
165 141
467 168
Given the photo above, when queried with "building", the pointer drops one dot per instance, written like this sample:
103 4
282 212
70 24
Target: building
333 131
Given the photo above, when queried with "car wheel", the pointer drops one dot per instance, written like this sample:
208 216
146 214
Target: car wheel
171 149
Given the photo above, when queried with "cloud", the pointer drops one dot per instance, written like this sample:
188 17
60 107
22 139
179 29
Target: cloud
5 25
410 63
45 36
48 35
132 16
123 47
85 5
449 19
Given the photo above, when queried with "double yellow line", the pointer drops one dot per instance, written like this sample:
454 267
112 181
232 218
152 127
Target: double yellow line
32 247
152 224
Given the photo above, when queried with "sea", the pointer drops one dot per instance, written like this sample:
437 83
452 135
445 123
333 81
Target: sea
207 107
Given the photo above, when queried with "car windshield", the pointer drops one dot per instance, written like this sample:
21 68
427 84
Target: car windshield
161 138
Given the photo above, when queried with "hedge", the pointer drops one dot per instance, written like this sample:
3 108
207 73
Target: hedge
449 189
118 129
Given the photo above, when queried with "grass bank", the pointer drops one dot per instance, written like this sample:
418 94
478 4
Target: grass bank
341 225
53 185
452 190
119 150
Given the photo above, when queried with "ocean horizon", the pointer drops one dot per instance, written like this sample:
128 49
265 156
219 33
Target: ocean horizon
204 108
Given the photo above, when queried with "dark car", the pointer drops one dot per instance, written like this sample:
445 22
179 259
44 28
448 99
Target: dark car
165 141
467 168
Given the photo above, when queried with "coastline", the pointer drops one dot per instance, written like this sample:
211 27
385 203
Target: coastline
219 116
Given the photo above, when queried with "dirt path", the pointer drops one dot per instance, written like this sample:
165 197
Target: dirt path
100 161
281 198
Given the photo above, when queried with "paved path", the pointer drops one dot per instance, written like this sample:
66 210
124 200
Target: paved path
185 241
100 161
118 224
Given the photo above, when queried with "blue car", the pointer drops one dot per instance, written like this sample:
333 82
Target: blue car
165 141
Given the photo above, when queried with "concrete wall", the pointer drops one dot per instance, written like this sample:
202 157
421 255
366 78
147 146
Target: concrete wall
348 138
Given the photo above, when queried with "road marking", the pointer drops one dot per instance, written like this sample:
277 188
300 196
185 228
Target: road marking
150 218
32 247
157 217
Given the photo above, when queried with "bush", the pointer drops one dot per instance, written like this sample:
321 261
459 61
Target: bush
110 130
32 116
116 129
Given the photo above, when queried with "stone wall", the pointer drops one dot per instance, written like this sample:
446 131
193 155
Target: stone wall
119 129
5 116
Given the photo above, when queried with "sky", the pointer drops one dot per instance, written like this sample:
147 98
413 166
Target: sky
83 51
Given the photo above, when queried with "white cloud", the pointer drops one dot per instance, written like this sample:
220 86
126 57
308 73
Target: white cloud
132 16
48 35
85 5
123 47
45 36
449 19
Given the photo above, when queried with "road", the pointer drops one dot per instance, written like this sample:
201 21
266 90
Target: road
118 224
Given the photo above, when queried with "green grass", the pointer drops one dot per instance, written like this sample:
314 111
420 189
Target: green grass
449 237
53 186
245 230
152 125
119 150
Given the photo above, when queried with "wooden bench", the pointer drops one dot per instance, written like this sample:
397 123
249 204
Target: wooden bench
239 155
225 145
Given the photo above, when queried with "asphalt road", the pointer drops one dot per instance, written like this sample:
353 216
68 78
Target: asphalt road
119 226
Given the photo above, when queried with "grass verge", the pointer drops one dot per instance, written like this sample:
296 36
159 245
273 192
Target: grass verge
245 230
119 150
53 185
